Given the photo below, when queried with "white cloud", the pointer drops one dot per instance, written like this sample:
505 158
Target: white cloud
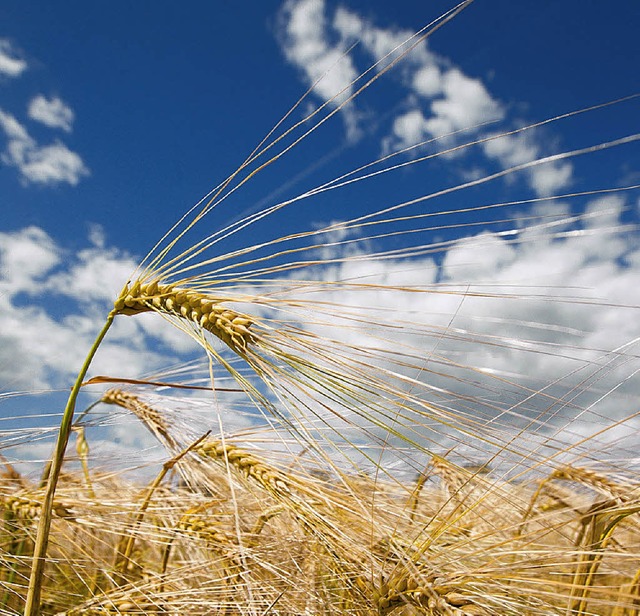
51 112
317 46
26 257
525 322
14 131
410 128
383 44
604 211
478 257
441 102
42 344
427 81
439 97
348 24
550 178
10 64
494 329
521 148
305 43
512 150
465 102
97 274
97 236
462 101
50 164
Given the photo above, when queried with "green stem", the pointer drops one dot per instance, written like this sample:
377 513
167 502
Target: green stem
32 605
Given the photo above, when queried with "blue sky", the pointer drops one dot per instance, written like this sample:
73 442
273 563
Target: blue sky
117 117
167 100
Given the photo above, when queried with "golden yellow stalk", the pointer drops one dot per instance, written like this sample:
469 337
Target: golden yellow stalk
124 554
598 526
82 449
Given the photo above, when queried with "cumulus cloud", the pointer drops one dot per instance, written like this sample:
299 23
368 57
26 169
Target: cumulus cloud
440 99
534 323
47 164
53 303
96 274
454 102
410 127
39 164
51 112
11 65
571 303
465 102
27 256
305 42
382 44
520 148
502 327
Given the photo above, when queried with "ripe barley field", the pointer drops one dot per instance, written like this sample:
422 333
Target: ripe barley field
392 413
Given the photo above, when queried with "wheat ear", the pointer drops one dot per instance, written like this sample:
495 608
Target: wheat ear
248 464
149 416
124 554
430 593
203 310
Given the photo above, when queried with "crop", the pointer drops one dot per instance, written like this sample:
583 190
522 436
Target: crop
381 474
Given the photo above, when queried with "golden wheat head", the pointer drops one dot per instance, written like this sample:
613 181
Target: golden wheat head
199 308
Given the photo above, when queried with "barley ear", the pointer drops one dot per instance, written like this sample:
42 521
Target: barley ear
199 308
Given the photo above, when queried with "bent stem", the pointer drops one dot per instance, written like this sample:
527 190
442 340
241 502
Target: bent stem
32 604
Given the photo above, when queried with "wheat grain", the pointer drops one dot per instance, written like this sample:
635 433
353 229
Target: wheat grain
427 592
193 522
229 326
28 506
247 463
149 416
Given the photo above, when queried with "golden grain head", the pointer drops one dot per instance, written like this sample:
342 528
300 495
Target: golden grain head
245 462
199 308
149 416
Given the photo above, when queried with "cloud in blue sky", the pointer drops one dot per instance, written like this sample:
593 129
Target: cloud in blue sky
439 98
52 303
581 350
53 298
39 164
49 164
11 65
52 112
304 41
